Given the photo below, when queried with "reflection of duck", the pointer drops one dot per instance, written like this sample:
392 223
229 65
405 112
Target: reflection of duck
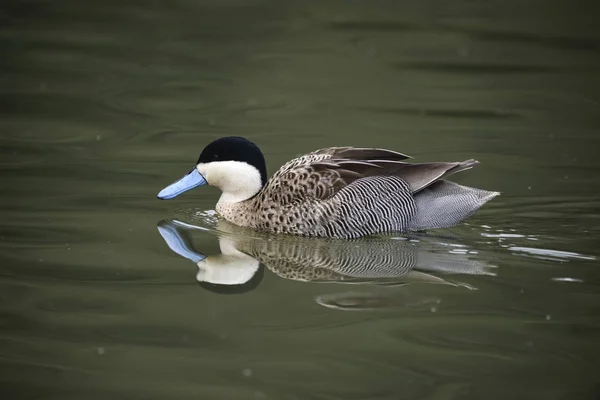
337 192
374 261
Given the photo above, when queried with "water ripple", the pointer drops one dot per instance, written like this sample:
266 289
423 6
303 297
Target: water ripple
485 34
549 254
475 68
443 113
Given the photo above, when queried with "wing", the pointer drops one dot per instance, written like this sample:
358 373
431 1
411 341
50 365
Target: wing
320 175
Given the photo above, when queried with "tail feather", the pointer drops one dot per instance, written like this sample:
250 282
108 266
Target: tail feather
444 204
420 176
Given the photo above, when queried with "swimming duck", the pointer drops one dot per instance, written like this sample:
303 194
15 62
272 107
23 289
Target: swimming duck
334 192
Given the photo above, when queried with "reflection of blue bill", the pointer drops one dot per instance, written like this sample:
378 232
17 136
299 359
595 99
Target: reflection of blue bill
178 243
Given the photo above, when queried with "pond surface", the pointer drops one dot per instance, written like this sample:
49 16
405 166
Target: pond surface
105 291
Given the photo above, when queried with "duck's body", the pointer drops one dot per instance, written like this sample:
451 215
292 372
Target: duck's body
336 192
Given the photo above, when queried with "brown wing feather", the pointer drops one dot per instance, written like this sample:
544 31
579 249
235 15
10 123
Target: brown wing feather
421 175
364 153
321 174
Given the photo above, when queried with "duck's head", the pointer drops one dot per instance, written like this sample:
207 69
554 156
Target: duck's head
233 164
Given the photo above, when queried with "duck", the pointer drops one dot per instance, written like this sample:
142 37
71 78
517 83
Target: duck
334 192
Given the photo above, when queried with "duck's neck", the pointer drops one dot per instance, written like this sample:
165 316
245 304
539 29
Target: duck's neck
242 213
234 197
238 181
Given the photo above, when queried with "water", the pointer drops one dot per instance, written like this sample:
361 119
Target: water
106 103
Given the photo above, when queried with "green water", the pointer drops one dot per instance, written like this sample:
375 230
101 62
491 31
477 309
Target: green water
105 103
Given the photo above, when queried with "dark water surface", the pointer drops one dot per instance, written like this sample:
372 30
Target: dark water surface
104 103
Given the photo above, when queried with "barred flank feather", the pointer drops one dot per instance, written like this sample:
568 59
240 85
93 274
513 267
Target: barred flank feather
372 205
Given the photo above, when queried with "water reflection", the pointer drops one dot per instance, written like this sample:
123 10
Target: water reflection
379 261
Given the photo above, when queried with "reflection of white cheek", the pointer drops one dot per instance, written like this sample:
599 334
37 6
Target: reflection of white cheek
226 270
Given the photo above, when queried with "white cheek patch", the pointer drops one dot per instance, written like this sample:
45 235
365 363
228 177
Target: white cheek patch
201 168
237 180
